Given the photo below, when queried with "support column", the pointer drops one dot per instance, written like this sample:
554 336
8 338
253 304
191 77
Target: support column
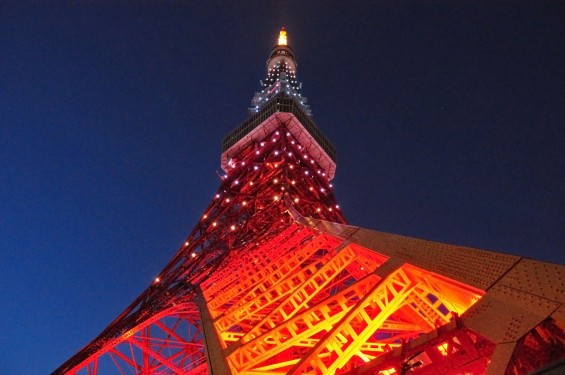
214 353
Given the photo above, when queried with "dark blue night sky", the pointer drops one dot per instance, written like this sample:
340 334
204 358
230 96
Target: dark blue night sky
448 118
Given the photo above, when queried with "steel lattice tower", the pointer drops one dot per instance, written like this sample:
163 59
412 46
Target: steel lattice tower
273 281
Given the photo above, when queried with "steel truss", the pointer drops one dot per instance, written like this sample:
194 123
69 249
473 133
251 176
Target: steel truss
271 280
255 290
282 296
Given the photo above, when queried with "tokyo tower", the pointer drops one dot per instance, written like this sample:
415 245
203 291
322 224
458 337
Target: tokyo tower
272 280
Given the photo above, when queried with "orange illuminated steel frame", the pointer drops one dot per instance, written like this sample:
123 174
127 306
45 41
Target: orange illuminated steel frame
322 305
255 290
272 281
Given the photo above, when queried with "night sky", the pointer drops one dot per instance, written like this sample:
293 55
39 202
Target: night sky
448 119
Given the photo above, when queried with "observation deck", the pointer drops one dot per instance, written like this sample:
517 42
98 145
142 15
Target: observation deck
282 110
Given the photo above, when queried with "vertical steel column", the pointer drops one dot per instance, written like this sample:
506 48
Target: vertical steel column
214 353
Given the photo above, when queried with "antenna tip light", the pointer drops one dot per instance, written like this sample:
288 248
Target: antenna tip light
282 37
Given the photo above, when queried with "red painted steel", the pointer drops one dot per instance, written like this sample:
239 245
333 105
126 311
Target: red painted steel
247 211
254 291
262 276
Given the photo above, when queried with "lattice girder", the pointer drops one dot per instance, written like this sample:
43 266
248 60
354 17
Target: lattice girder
247 210
271 281
169 342
302 331
280 284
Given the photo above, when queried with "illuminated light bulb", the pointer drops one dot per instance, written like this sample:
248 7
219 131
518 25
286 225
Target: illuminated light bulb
318 171
296 200
318 209
324 174
232 227
193 255
262 144
305 156
282 188
337 206
274 140
157 279
242 163
244 203
293 182
277 133
236 182
312 161
214 224
255 167
217 195
331 209
331 186
287 134
276 152
205 216
362 268
227 200
276 165
251 183
290 154
186 243
305 172
276 180
322 190
292 142
311 188
276 198
257 152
